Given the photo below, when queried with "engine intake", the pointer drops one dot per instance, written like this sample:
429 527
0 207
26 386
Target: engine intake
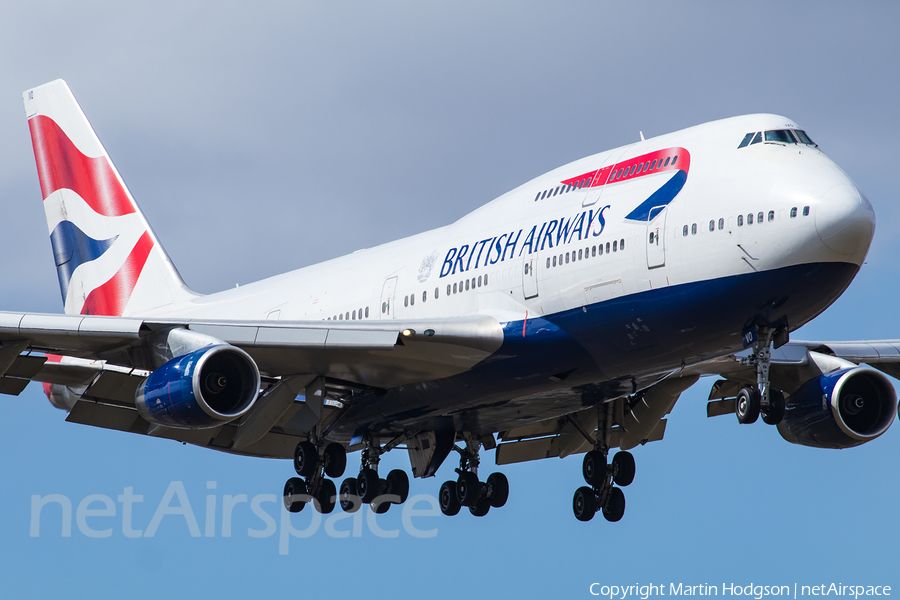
841 409
202 389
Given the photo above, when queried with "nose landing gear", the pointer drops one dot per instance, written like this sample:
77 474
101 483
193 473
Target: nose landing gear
761 399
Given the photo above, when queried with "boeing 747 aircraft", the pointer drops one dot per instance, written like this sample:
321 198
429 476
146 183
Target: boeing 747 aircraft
562 318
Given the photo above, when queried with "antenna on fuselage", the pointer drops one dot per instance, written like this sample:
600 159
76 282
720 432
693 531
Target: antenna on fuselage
642 135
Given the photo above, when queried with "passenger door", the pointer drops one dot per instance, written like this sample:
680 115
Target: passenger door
387 298
529 275
656 237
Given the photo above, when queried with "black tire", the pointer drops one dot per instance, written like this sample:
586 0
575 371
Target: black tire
775 411
584 504
368 486
326 497
335 460
306 459
381 504
448 500
614 509
398 484
293 490
350 501
593 468
481 507
623 468
468 488
497 489
746 405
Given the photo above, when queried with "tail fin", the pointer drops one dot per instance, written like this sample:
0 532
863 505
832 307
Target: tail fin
108 260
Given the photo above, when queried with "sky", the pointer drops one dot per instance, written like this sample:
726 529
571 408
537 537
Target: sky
263 137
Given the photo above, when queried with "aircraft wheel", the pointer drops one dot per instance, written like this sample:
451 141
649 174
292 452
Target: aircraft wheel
335 459
614 509
380 505
497 489
467 488
350 502
448 499
368 486
293 489
398 484
746 405
623 468
481 507
584 504
593 468
325 498
775 411
306 459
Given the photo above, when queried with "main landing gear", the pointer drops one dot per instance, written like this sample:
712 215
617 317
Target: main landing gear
600 494
479 497
369 488
761 399
311 485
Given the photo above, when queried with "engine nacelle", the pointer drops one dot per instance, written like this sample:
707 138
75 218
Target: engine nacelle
202 389
841 409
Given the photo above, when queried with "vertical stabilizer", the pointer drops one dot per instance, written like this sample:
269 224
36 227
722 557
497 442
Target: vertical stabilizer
108 260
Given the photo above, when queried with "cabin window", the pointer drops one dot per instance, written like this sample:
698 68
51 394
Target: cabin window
750 219
485 280
693 229
607 247
601 250
448 289
622 244
805 211
653 164
405 300
759 218
367 312
740 220
479 277
436 294
594 251
454 288
771 216
554 261
567 258
794 212
538 197
354 315
721 224
579 255
412 299
684 231
615 243
556 191
674 160
668 158
712 225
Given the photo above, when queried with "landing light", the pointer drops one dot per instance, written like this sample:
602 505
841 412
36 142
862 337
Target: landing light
409 332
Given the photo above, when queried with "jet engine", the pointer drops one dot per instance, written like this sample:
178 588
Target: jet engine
202 389
840 409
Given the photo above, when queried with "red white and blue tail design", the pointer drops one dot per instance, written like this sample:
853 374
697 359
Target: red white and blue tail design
107 258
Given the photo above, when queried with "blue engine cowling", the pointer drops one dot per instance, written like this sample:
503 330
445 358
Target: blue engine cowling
841 409
199 390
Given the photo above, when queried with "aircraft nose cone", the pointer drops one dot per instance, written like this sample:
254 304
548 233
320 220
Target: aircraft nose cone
845 221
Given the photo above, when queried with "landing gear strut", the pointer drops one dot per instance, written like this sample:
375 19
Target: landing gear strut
762 399
467 490
600 494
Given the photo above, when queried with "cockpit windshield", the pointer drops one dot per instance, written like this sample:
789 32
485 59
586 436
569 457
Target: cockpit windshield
777 136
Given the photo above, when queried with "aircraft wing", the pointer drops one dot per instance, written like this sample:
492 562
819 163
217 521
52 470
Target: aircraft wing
114 361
